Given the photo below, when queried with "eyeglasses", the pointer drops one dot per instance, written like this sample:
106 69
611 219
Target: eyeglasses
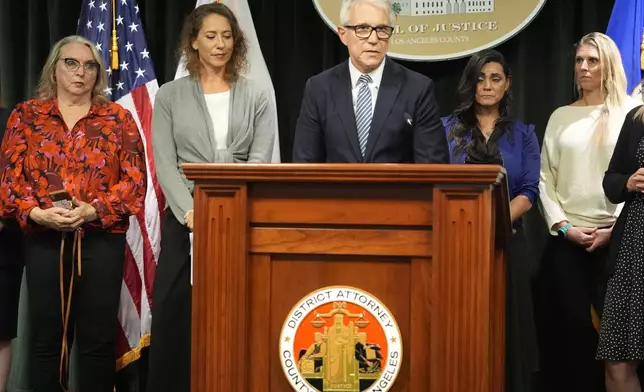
72 65
364 31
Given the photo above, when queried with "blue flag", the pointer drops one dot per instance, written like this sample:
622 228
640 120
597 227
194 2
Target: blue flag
625 27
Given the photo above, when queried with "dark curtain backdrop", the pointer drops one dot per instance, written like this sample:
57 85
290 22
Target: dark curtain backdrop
297 44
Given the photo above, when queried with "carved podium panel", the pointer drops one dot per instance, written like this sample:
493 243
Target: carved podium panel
420 245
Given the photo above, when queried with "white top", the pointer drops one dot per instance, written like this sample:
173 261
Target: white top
374 86
573 167
218 106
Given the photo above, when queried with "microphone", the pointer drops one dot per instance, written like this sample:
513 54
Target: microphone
408 120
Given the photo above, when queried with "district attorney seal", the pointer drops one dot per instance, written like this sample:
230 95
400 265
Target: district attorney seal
343 339
447 29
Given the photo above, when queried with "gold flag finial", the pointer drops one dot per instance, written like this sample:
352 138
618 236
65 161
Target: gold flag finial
115 45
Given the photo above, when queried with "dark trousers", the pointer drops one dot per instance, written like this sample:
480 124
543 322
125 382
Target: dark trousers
93 318
522 356
569 282
11 264
172 297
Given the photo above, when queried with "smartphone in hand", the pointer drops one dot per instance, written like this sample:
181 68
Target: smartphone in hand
62 199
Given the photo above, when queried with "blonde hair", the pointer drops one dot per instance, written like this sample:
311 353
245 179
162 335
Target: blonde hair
47 88
639 114
613 80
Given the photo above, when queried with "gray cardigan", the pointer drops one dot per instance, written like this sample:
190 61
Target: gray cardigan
182 132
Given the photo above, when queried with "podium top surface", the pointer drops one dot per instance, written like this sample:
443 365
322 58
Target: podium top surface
357 172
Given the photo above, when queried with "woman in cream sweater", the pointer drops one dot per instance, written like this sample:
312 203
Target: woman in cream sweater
577 147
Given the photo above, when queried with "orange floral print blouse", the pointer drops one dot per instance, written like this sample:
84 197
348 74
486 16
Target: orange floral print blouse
101 161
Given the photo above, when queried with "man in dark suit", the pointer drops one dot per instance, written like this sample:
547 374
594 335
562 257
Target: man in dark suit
369 108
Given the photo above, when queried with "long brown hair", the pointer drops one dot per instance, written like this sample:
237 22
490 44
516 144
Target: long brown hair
464 121
47 86
238 62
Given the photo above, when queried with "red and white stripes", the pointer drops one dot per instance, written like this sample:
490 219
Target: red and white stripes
143 240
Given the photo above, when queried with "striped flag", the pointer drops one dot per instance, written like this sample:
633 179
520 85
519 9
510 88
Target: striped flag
626 28
133 84
257 70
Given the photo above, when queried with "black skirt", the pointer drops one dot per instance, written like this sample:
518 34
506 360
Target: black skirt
11 265
522 356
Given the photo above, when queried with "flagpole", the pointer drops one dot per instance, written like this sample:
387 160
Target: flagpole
115 46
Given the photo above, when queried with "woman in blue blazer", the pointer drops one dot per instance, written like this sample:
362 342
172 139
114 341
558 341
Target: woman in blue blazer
480 130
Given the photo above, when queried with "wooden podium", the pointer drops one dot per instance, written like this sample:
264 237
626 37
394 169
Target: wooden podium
427 240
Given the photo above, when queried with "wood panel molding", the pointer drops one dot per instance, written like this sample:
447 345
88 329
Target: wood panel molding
425 239
341 241
348 173
463 291
370 204
219 289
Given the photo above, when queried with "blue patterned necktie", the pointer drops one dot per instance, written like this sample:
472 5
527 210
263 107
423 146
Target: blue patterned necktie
363 112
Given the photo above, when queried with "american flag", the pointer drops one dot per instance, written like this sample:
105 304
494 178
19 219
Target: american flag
134 86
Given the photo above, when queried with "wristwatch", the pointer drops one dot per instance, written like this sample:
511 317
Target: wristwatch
563 230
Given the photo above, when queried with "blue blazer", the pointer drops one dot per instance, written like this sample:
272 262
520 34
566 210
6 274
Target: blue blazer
326 128
521 158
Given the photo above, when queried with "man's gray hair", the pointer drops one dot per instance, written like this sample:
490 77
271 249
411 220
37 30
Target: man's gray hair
347 5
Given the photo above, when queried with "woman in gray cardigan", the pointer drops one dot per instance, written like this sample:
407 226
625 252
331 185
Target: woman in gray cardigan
212 115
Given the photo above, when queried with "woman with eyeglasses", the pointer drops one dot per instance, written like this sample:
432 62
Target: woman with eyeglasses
72 172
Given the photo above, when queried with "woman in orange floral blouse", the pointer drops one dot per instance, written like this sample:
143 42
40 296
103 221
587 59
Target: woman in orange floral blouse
72 172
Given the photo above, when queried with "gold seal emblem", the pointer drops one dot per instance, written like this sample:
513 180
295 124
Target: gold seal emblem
340 339
447 29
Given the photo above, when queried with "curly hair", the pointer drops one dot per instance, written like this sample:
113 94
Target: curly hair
191 27
464 120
